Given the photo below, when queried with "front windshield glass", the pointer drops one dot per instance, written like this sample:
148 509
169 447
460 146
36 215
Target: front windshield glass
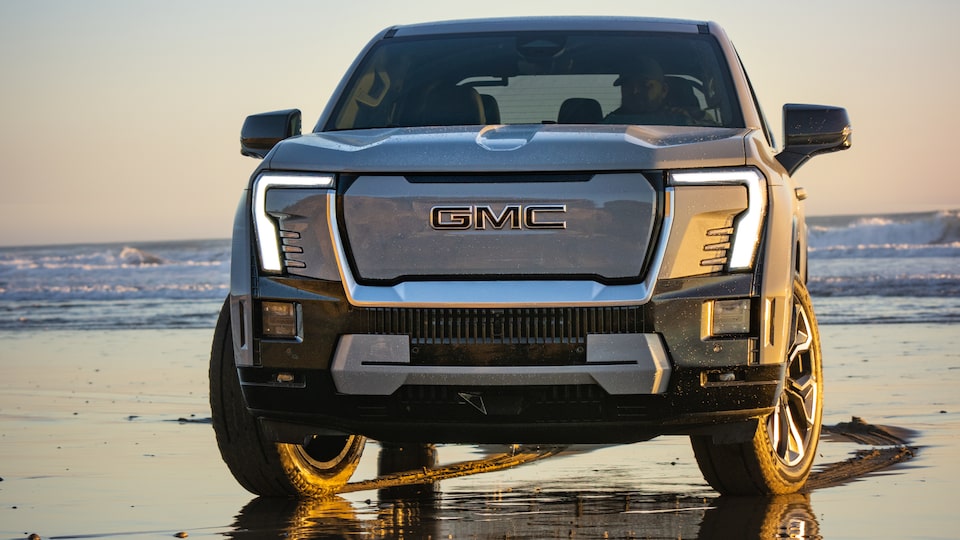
540 78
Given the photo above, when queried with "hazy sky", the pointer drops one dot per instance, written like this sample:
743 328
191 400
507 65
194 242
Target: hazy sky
119 120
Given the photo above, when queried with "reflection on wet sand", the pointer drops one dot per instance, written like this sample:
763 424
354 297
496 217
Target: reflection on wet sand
783 516
421 511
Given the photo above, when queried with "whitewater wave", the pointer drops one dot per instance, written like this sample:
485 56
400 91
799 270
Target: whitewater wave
139 257
919 234
154 285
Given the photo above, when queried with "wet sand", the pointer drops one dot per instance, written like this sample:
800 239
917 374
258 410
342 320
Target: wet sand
107 435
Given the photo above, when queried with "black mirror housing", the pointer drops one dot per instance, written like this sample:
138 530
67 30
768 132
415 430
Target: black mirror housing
261 132
810 130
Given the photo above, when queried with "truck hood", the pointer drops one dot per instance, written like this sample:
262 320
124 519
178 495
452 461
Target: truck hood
504 148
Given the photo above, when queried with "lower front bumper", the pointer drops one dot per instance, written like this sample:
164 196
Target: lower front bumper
556 414
621 364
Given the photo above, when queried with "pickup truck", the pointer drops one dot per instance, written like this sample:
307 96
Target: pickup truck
547 230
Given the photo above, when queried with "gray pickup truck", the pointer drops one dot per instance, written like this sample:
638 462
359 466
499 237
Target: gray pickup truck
528 230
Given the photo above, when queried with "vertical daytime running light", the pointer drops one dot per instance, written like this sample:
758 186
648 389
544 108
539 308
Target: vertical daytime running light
749 224
268 235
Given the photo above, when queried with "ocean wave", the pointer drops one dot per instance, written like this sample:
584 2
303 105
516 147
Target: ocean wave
886 310
84 291
110 315
904 286
91 287
923 234
139 257
174 270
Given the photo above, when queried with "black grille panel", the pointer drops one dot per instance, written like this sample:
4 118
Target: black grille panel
554 404
504 326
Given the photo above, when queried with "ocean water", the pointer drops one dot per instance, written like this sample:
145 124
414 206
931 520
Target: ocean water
101 286
863 269
899 268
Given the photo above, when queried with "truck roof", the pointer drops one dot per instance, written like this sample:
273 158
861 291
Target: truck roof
513 24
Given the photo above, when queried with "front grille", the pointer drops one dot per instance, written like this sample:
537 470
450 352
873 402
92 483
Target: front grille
504 326
605 226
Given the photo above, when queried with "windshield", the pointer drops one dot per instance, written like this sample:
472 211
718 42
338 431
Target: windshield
540 78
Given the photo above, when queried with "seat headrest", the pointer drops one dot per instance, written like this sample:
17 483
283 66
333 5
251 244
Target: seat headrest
580 111
449 106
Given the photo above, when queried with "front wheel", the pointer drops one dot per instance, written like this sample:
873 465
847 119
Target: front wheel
317 468
779 458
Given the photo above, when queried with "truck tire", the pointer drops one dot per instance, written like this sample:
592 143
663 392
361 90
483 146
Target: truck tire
779 457
317 468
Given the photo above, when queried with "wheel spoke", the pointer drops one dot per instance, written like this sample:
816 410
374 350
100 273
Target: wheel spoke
802 338
792 422
773 428
794 451
803 396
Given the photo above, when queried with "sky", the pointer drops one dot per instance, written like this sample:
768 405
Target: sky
120 120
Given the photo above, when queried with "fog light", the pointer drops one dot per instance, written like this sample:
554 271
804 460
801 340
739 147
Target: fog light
280 319
730 317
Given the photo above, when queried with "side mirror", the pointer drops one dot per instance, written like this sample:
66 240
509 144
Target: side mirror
261 132
810 130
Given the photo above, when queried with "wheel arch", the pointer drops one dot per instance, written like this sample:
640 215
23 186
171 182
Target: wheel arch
241 283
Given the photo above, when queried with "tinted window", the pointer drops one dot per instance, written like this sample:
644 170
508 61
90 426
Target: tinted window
580 78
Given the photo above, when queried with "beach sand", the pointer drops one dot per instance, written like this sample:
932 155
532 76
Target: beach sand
106 434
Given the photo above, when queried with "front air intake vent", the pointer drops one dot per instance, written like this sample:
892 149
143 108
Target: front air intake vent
504 326
716 247
291 250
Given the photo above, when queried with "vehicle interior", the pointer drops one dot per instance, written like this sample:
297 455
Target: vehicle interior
532 79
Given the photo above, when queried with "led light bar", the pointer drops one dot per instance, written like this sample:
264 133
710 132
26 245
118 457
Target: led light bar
749 224
265 227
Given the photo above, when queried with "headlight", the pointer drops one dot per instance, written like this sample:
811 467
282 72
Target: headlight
749 224
265 225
